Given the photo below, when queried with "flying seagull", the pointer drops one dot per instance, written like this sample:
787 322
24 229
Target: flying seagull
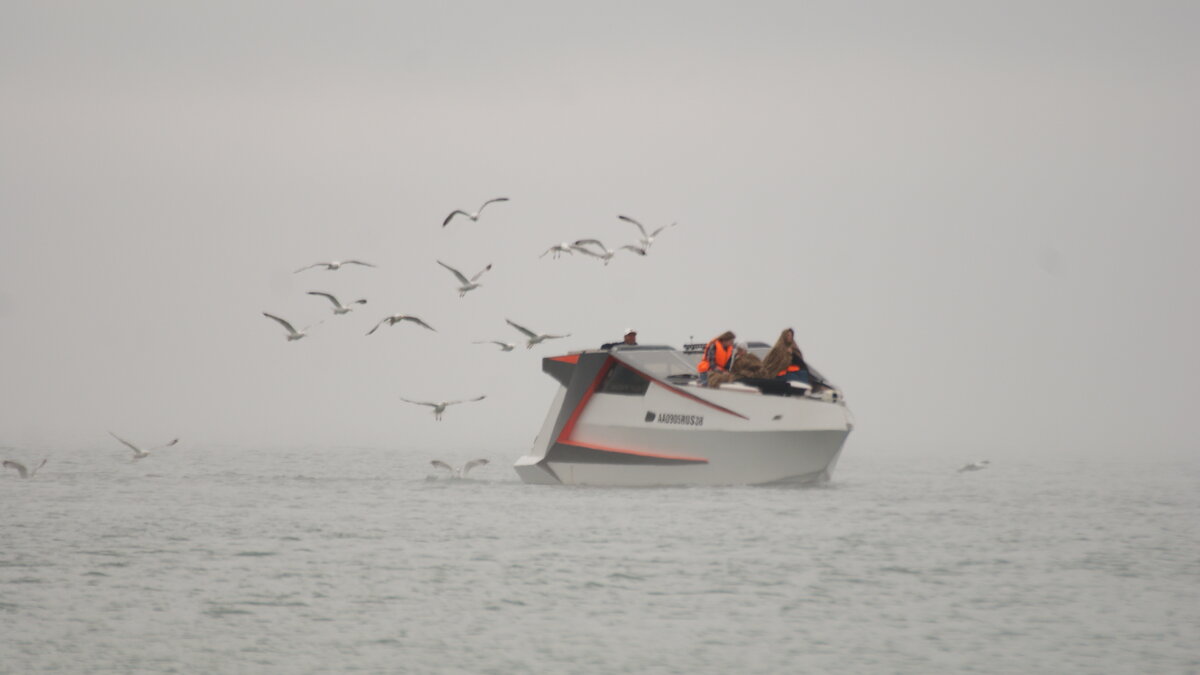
293 334
338 307
647 240
397 318
606 254
26 473
467 284
440 407
534 338
472 216
558 250
975 466
334 265
460 472
139 453
504 346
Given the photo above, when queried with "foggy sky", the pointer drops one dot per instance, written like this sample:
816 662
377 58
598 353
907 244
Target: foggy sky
980 218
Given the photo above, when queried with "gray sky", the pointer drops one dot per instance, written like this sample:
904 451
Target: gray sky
979 217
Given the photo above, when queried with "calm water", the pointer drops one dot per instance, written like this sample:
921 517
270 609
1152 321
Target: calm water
344 560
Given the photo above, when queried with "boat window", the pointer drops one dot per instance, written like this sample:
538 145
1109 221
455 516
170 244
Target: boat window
622 380
657 363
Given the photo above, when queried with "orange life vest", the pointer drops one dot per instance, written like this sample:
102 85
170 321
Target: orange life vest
790 369
721 357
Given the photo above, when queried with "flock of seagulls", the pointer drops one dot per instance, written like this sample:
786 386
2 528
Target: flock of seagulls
591 247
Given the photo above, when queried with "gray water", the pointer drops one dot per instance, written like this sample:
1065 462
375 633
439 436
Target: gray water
353 560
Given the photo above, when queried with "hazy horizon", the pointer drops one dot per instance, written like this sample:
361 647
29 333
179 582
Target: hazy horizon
978 218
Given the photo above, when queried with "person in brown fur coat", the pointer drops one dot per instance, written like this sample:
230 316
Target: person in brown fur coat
744 364
785 356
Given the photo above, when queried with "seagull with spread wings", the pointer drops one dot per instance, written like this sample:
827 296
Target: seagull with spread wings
558 250
532 337
606 254
26 473
504 346
647 240
293 334
338 307
460 472
467 284
334 265
139 453
397 318
472 216
440 406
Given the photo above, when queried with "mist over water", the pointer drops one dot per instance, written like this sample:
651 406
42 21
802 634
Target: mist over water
353 560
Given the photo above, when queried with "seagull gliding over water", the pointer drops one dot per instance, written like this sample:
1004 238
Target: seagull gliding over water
647 239
460 472
334 265
606 254
397 318
558 250
534 338
472 216
440 406
21 470
293 334
467 284
504 346
139 453
338 307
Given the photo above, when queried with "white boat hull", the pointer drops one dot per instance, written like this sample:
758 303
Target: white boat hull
679 434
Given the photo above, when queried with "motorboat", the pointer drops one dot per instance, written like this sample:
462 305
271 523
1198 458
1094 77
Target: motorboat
639 416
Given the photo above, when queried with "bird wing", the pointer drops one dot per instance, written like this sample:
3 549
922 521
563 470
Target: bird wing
586 242
655 233
285 324
631 220
310 267
131 446
357 262
431 405
477 399
439 464
636 249
35 469
9 464
326 295
492 201
476 277
521 328
555 337
472 464
419 322
166 445
454 272
453 213
381 322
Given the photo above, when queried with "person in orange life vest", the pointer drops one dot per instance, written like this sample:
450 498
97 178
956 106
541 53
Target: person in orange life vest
785 359
717 355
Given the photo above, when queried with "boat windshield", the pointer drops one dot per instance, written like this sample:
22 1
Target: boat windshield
659 363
